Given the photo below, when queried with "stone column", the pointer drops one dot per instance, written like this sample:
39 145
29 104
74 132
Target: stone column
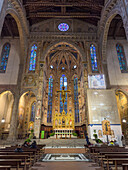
13 125
79 98
14 118
85 110
38 115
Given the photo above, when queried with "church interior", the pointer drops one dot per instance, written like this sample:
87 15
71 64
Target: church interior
63 70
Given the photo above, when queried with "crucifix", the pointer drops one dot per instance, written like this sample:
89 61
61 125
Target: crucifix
63 95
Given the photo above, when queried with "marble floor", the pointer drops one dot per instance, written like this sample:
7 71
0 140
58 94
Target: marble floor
65 166
64 157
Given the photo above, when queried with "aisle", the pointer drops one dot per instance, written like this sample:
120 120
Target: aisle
65 166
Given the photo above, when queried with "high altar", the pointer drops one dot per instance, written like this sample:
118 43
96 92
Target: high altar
63 125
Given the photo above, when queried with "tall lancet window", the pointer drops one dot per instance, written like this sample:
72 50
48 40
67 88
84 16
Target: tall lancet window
32 64
4 57
76 102
63 82
93 56
121 57
33 109
50 94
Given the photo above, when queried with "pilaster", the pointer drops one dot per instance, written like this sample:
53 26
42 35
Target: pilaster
38 115
105 70
14 119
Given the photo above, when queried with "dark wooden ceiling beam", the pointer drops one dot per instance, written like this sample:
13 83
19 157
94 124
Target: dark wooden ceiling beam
65 4
63 10
60 15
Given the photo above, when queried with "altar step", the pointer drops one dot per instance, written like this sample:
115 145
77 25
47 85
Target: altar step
64 150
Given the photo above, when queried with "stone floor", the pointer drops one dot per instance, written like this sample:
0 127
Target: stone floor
51 142
65 166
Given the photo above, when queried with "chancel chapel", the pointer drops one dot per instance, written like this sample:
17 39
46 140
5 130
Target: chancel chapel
63 69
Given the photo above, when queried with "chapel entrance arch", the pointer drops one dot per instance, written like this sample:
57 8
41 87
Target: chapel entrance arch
64 67
6 106
26 114
112 30
122 104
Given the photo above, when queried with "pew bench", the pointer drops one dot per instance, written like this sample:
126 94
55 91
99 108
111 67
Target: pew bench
118 161
14 163
125 166
5 167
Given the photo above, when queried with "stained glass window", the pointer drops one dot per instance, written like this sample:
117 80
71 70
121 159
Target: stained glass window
76 102
63 27
4 57
63 82
50 94
32 64
33 109
93 58
121 57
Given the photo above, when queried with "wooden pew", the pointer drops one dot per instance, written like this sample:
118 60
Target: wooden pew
29 154
7 153
118 161
5 167
101 157
114 156
125 166
23 157
98 153
11 162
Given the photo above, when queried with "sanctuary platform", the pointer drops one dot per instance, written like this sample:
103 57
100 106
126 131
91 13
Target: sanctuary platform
51 143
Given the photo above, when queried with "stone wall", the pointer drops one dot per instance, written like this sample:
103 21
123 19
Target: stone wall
102 104
11 74
1 4
115 75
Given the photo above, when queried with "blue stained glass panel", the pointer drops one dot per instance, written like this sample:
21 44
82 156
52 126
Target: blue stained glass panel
63 27
76 102
4 57
50 95
33 109
94 64
121 57
32 64
63 82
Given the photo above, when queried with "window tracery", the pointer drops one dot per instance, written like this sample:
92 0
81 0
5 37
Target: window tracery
4 57
33 109
121 57
94 64
76 102
63 82
33 55
50 95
